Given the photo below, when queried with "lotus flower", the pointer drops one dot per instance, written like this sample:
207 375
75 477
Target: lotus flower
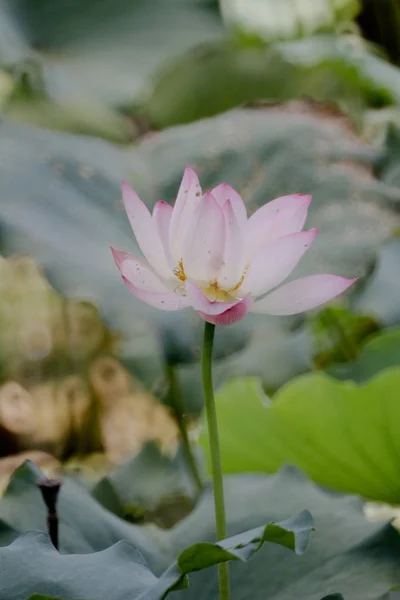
206 253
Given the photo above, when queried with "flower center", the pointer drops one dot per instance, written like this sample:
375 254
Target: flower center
213 292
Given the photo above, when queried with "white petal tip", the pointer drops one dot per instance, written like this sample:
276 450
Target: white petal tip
117 256
189 179
350 281
303 200
190 173
160 206
128 194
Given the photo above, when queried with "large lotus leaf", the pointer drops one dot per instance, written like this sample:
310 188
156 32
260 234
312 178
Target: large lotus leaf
216 77
381 297
381 351
32 563
80 80
381 294
346 552
7 533
288 19
85 526
342 435
242 421
340 554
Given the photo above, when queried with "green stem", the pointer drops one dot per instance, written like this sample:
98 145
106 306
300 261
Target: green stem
179 412
218 483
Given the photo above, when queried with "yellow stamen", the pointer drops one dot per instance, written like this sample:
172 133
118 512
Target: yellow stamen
237 286
179 271
214 285
214 292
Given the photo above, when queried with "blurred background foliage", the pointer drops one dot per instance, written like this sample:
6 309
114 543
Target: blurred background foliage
272 97
118 68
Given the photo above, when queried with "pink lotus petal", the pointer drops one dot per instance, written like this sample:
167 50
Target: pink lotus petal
234 260
275 219
230 316
224 192
162 214
138 272
204 245
201 303
145 230
189 196
302 294
164 301
207 243
275 262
